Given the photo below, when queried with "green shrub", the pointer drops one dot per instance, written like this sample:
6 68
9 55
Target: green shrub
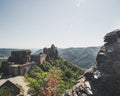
68 73
6 92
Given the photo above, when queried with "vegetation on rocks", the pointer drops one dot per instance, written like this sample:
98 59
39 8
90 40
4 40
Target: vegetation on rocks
6 92
53 78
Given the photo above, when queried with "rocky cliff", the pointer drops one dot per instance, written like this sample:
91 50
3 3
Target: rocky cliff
103 79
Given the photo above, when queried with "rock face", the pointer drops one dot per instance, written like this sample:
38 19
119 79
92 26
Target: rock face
103 79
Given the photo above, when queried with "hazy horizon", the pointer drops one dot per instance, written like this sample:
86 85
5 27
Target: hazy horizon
47 47
65 23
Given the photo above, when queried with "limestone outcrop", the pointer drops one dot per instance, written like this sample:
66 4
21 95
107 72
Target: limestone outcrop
103 79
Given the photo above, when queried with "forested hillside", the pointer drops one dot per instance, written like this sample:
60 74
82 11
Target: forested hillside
5 52
53 78
83 57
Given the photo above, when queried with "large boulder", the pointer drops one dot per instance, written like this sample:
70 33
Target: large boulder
103 79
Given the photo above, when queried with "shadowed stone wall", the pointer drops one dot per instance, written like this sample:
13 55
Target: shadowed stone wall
19 63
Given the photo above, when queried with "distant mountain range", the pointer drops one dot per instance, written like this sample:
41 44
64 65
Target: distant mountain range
6 52
84 57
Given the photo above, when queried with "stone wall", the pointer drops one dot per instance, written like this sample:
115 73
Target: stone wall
19 63
42 58
38 58
20 57
17 69
52 53
11 69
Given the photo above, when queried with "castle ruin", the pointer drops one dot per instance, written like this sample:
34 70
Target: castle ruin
18 63
21 62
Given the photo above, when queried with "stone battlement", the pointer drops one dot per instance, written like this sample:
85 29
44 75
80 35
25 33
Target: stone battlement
19 63
20 57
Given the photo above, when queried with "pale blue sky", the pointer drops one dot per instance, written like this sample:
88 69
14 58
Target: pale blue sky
65 23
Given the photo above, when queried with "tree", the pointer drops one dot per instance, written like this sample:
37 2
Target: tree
53 80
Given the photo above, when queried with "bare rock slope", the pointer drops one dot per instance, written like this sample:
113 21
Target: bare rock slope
103 79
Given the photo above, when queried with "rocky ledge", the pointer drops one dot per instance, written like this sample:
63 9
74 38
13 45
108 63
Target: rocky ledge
103 79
